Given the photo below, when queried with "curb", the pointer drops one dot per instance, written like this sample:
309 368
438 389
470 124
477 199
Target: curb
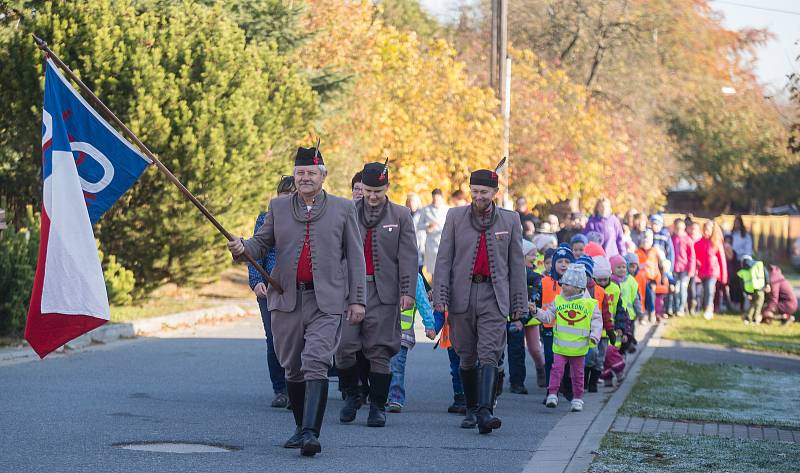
145 327
570 446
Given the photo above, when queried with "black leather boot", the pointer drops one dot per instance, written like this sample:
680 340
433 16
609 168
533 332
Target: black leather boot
459 405
469 380
348 383
297 396
487 390
378 394
313 412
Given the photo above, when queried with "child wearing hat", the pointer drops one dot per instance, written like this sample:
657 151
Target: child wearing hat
755 278
576 324
559 262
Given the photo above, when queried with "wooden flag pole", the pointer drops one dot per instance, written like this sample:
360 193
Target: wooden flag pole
131 136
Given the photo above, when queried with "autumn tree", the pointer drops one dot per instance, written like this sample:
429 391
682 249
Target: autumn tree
221 110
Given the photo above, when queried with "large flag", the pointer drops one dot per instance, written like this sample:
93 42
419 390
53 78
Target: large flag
86 167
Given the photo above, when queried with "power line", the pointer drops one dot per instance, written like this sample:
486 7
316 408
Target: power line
755 7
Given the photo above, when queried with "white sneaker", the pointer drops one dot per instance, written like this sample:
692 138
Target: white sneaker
577 405
708 315
552 400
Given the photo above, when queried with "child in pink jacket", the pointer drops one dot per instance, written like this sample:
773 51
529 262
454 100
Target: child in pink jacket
711 265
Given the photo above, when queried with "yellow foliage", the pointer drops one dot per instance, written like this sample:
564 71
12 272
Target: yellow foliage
407 100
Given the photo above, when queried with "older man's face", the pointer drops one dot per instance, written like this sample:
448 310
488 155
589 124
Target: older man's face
308 179
374 196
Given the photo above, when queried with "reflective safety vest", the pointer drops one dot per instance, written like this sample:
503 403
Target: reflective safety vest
549 293
753 278
407 318
573 323
613 293
628 291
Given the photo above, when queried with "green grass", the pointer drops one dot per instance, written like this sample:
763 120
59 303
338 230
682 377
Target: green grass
646 453
671 389
728 330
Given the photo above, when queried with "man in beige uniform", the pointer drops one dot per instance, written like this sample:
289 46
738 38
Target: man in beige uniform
320 266
390 253
480 279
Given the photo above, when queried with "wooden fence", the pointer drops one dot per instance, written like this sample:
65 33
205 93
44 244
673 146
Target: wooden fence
773 235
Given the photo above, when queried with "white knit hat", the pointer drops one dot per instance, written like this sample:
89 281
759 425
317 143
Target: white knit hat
575 276
602 267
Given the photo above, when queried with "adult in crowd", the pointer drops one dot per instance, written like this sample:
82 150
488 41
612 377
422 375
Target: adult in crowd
458 198
431 221
684 268
480 278
638 228
742 245
573 226
711 265
662 241
277 375
525 215
742 241
390 254
319 264
604 222
782 302
413 202
356 188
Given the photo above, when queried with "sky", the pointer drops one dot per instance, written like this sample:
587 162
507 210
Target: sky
776 59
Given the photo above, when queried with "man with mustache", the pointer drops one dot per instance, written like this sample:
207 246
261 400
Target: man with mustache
320 267
390 253
480 279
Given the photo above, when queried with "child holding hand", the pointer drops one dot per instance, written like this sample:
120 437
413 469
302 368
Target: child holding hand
576 323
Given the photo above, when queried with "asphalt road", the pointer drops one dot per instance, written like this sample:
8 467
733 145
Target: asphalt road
210 385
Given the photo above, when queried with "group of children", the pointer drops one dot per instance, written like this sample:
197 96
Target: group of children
582 307
587 307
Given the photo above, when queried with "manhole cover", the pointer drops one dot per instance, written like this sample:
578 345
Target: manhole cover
176 447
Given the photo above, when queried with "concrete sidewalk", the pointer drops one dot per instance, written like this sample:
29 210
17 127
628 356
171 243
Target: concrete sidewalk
152 326
645 425
570 445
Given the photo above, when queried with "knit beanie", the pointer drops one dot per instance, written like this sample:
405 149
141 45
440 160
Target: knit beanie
588 265
602 268
617 260
631 258
578 238
594 249
562 252
527 247
575 276
596 237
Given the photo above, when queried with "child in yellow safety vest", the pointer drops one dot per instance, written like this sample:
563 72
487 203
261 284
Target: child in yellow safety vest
614 332
755 278
577 324
397 392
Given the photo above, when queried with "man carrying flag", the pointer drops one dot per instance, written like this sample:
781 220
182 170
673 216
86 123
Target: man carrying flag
86 167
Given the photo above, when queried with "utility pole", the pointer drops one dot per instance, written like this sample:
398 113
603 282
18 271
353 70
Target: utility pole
493 54
503 85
